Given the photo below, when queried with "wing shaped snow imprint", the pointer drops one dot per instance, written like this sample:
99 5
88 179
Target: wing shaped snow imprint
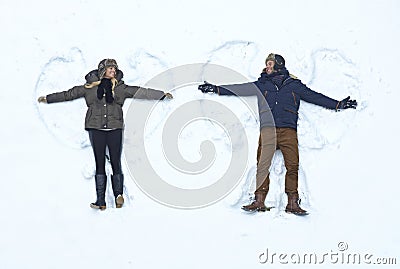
143 66
336 76
238 55
65 121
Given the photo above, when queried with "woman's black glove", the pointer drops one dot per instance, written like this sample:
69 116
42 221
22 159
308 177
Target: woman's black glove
207 87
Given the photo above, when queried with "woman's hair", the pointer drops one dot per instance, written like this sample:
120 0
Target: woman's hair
114 82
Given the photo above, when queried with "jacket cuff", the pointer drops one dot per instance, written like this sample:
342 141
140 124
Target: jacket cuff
337 106
49 99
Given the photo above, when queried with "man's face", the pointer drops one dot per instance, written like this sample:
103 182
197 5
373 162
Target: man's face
270 67
110 72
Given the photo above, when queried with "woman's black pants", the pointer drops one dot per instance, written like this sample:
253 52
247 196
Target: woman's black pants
100 139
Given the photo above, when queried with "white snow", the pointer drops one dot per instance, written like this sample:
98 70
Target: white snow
348 160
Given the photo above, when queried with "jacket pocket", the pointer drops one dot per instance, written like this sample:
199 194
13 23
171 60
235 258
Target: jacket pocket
291 110
294 98
119 113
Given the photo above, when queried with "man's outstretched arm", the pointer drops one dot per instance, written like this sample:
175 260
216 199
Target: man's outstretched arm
319 99
244 89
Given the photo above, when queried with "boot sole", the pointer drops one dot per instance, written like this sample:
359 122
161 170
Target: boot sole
268 208
297 213
101 207
119 201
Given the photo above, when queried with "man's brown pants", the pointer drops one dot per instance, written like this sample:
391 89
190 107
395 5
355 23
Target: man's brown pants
270 140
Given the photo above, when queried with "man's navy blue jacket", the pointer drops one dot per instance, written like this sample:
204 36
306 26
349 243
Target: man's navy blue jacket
279 95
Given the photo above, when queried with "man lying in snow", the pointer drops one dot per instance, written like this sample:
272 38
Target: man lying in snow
279 95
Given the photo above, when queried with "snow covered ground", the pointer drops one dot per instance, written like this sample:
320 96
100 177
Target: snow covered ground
348 160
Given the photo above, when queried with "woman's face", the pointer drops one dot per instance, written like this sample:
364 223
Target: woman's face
270 67
110 72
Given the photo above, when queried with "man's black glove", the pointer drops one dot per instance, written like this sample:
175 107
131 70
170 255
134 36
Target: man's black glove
347 103
207 87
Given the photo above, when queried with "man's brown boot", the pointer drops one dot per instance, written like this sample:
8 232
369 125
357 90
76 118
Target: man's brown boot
258 204
293 205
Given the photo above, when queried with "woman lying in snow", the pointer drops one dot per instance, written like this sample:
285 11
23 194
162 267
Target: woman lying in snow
105 93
